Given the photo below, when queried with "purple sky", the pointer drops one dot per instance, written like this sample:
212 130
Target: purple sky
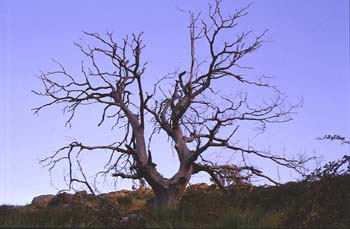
308 55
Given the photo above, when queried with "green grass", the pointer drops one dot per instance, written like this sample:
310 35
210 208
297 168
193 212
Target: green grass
168 219
57 217
249 218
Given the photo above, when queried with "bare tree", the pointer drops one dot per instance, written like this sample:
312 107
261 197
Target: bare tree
187 112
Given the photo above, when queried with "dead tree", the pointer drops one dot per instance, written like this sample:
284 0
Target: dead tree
192 113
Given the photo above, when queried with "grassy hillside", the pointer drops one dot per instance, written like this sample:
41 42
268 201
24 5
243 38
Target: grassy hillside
306 204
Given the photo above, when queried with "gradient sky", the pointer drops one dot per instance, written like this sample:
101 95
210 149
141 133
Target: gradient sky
308 55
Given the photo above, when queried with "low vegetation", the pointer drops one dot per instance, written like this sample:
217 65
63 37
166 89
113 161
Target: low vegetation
325 202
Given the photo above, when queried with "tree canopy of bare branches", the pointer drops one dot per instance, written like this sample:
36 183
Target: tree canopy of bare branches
194 122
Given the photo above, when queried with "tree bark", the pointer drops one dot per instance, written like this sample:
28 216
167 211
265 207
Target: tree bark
167 199
168 192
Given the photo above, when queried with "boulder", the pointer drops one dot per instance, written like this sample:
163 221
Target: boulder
42 201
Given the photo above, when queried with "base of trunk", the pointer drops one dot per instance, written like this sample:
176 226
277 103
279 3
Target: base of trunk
167 200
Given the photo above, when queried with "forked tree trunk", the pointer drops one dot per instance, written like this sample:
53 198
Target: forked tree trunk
169 194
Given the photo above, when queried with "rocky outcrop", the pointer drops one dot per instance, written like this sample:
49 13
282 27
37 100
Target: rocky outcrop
42 201
144 191
197 188
139 193
125 198
61 199
78 199
64 199
113 196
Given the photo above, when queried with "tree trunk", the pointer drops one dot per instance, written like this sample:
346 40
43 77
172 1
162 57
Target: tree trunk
168 192
167 199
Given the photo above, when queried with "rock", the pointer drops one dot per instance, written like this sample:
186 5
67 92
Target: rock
42 201
81 193
197 187
113 196
132 200
82 198
62 199
144 191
